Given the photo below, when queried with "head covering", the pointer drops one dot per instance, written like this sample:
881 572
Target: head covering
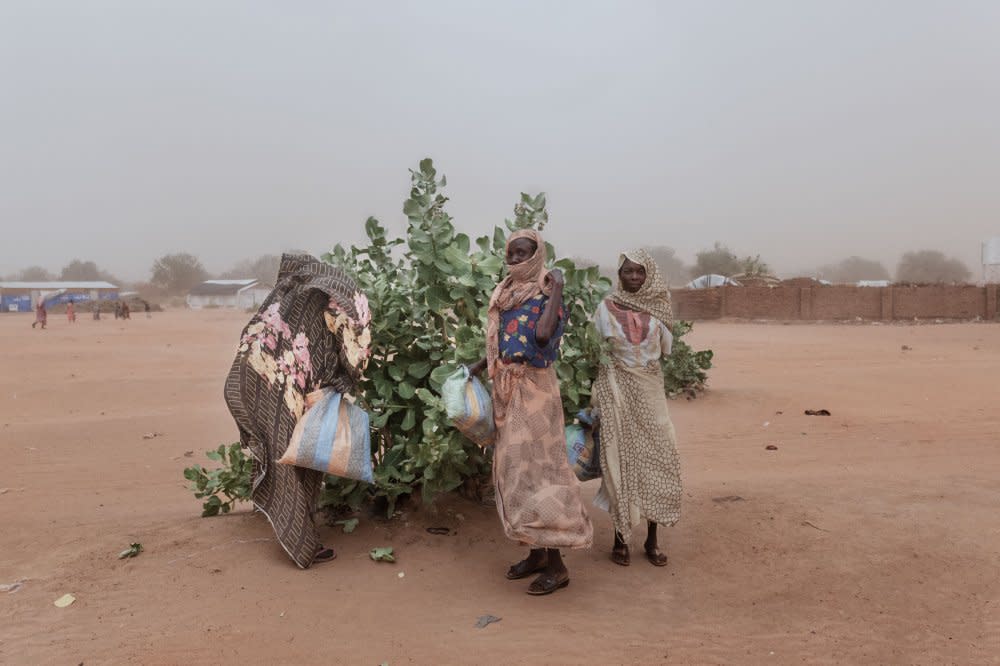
653 296
523 282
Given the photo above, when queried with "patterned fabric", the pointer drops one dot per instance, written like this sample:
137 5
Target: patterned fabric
310 332
639 462
537 494
653 296
517 334
636 338
524 281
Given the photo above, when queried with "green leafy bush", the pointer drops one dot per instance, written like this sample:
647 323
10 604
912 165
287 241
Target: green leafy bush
233 480
685 371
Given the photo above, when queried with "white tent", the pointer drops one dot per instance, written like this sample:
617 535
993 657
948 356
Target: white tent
713 280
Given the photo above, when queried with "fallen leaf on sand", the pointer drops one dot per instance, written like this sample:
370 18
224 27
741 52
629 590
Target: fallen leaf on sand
486 620
382 554
188 454
64 601
133 550
771 447
728 498
349 525
152 435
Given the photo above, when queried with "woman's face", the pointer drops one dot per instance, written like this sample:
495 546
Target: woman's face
632 276
521 249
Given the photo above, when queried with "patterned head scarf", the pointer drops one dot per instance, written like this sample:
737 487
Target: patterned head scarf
523 282
653 296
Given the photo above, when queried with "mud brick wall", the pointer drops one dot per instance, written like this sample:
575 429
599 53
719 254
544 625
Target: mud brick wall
697 304
846 302
762 302
963 302
792 302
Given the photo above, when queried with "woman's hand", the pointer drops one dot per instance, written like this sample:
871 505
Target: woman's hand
555 277
477 368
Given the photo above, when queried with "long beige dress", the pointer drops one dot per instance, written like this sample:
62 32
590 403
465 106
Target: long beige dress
639 461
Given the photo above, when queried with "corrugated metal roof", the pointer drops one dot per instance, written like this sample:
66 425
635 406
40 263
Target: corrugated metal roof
242 283
57 285
221 287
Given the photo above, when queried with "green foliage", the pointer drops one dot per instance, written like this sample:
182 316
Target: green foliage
233 480
685 371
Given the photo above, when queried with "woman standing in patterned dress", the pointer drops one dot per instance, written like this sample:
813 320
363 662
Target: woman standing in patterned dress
538 496
639 462
311 332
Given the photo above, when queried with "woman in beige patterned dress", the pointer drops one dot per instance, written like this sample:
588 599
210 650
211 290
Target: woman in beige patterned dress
538 496
639 462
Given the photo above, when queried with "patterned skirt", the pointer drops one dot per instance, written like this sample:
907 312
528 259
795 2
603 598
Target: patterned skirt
538 496
639 462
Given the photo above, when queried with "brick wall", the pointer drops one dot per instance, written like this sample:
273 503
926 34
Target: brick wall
695 304
838 302
944 302
846 302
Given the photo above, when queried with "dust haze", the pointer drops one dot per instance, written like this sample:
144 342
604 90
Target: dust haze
805 133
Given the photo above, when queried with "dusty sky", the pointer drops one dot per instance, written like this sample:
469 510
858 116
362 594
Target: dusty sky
803 131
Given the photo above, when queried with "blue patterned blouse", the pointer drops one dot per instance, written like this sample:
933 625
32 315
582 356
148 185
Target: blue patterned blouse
517 334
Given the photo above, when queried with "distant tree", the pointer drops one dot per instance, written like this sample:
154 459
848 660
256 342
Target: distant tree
80 270
719 260
35 274
928 266
670 264
854 269
263 268
85 271
177 273
754 267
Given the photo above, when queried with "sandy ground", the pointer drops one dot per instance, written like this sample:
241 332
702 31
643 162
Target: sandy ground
871 536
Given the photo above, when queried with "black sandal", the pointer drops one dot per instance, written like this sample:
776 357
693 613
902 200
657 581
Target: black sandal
521 570
620 556
324 555
547 584
656 558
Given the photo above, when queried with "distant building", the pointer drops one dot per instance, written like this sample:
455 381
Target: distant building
24 296
991 261
873 283
239 294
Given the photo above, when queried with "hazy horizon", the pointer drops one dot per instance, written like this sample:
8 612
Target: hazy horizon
805 133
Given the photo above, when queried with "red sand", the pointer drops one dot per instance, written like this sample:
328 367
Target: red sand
871 536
